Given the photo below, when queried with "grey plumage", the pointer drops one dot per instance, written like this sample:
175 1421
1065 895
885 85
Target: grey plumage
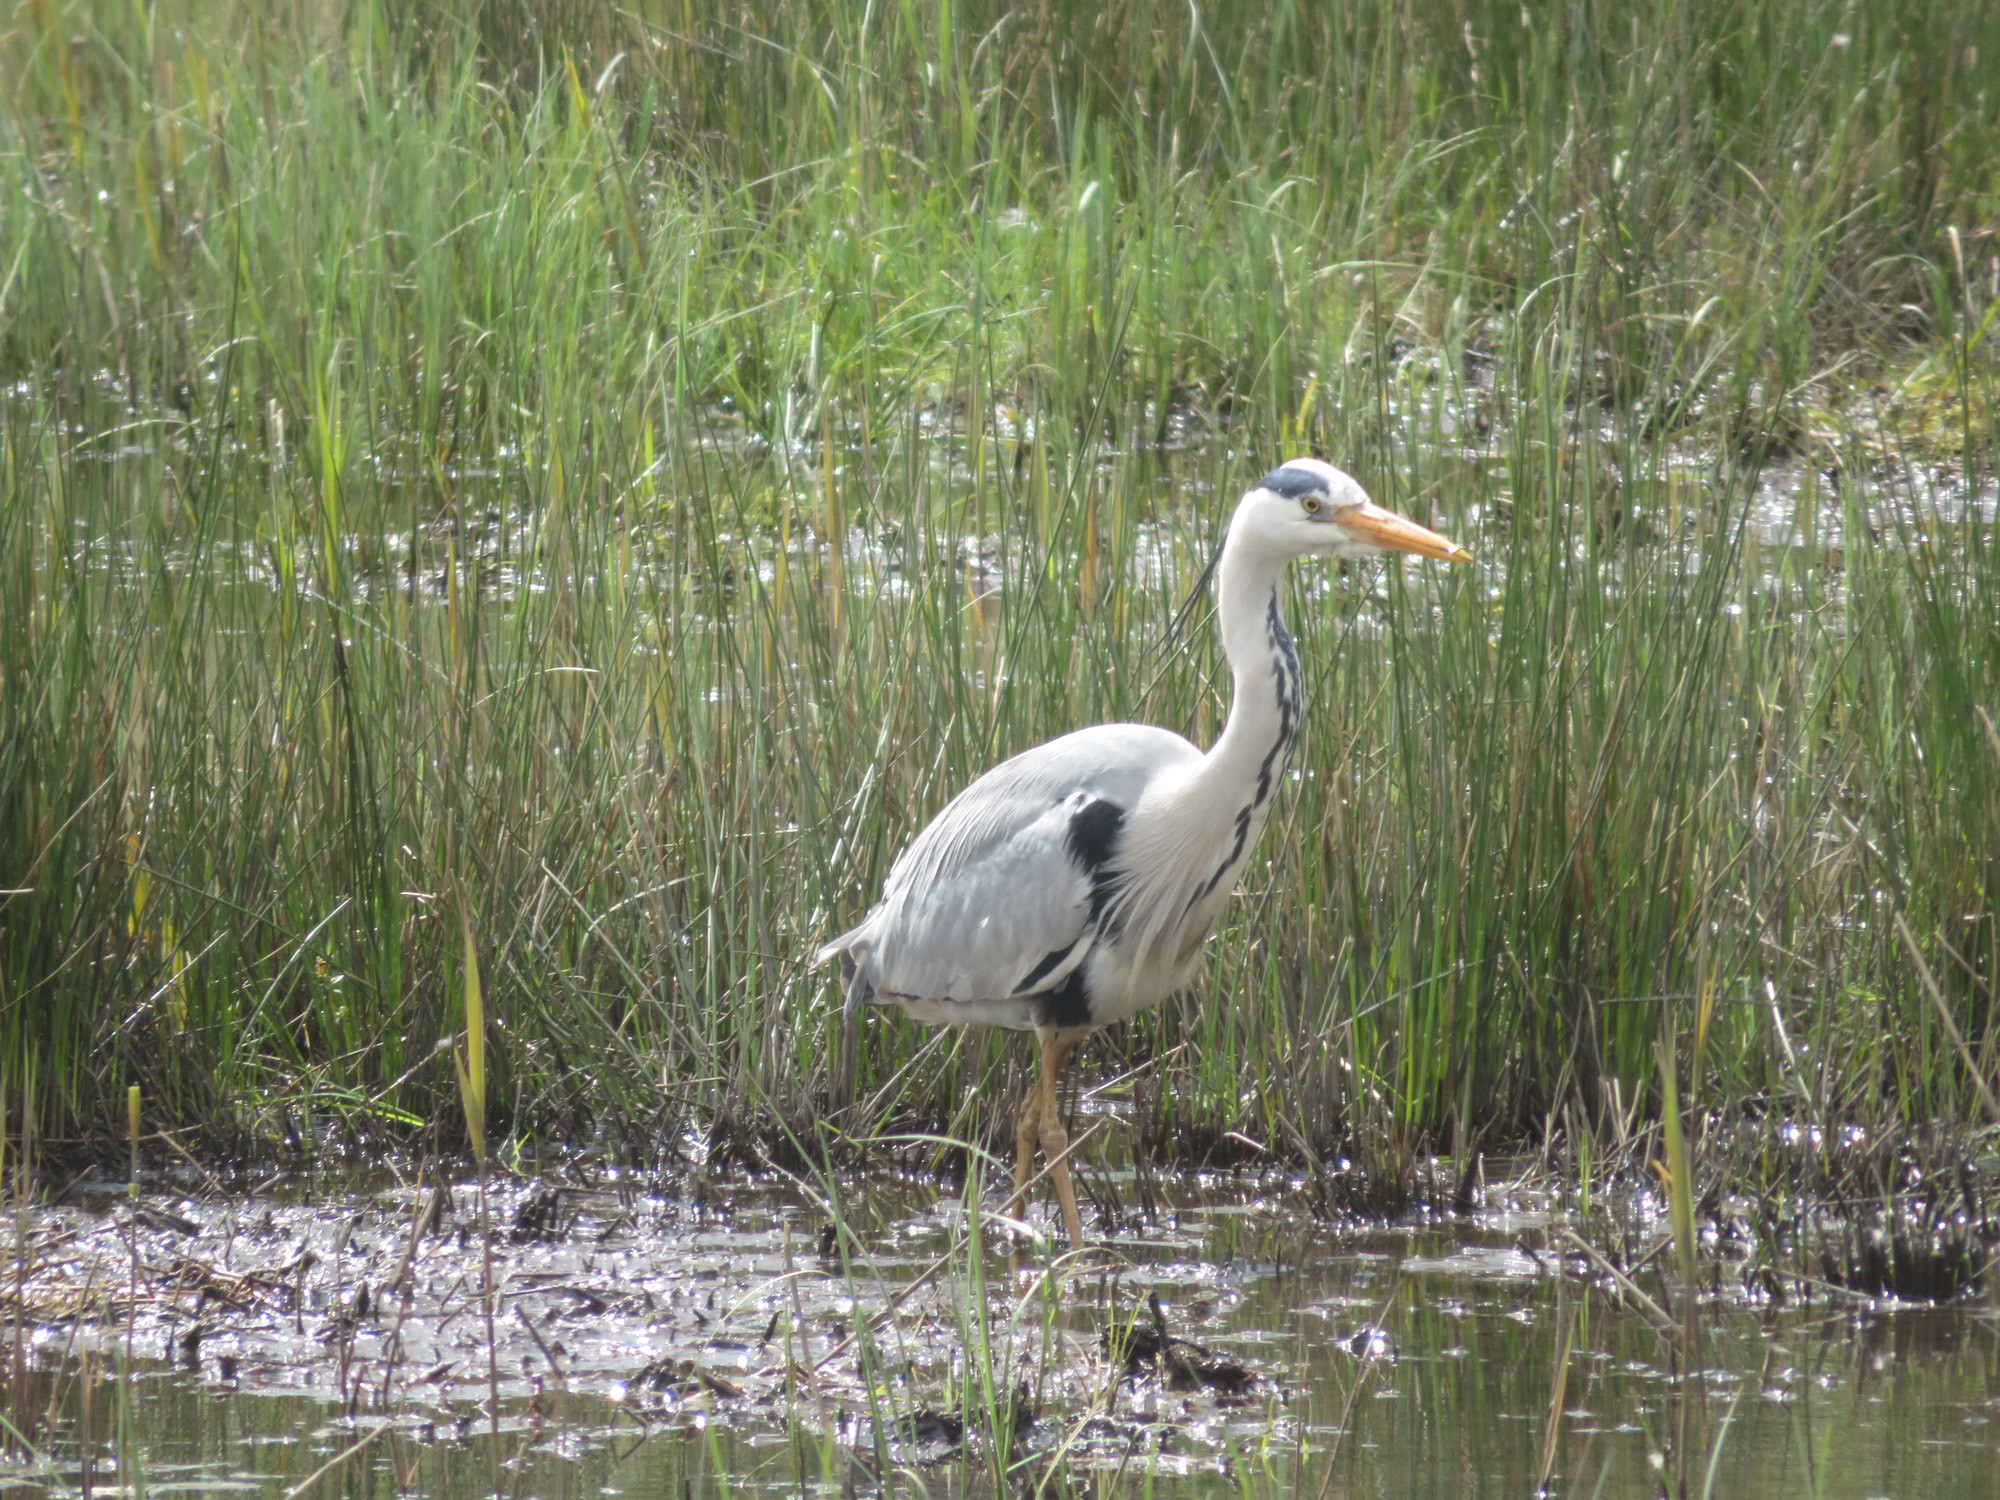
997 882
1076 883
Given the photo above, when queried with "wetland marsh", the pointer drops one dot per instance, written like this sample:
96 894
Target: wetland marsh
650 1341
576 486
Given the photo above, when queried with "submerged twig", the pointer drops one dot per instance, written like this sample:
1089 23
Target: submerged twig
1624 1283
350 1451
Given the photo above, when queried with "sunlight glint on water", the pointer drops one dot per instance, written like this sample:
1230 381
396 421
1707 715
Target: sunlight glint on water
676 1346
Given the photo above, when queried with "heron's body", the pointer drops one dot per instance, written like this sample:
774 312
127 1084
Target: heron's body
1047 895
1076 884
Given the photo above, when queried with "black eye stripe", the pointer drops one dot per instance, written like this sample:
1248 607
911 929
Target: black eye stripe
1293 483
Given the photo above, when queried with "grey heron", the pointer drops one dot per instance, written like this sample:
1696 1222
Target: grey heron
1077 883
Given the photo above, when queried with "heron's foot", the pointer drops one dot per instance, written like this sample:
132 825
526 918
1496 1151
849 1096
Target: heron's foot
1055 1146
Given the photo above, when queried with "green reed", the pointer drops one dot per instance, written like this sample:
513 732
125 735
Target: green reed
622 473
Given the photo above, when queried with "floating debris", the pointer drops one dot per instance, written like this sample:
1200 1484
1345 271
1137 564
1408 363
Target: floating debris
1183 1365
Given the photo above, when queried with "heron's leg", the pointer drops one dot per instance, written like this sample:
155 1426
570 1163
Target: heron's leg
1026 1135
1055 1141
855 989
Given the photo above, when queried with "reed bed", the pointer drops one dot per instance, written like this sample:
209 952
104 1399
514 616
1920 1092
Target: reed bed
596 480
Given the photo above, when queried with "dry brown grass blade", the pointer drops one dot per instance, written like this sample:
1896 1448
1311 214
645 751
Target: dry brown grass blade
1944 1018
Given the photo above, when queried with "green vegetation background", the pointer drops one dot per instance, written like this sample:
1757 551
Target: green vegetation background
607 475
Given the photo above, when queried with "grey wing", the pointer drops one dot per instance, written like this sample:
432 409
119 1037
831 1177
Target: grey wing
998 895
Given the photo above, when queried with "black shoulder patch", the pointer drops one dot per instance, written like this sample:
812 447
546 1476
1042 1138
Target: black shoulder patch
1293 483
1093 833
1066 1006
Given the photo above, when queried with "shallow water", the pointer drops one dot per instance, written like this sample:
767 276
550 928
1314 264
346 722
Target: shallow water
651 1338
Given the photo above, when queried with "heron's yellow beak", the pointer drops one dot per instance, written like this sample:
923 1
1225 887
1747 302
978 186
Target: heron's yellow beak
1384 528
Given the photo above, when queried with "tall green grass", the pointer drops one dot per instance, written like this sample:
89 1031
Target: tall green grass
613 476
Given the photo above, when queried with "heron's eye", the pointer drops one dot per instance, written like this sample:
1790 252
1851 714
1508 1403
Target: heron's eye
1312 505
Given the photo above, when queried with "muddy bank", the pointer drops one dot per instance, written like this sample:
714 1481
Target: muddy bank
774 1331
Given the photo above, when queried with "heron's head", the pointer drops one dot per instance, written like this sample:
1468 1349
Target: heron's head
1307 506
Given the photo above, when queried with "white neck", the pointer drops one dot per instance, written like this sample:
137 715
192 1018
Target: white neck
1219 813
1187 857
1243 767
